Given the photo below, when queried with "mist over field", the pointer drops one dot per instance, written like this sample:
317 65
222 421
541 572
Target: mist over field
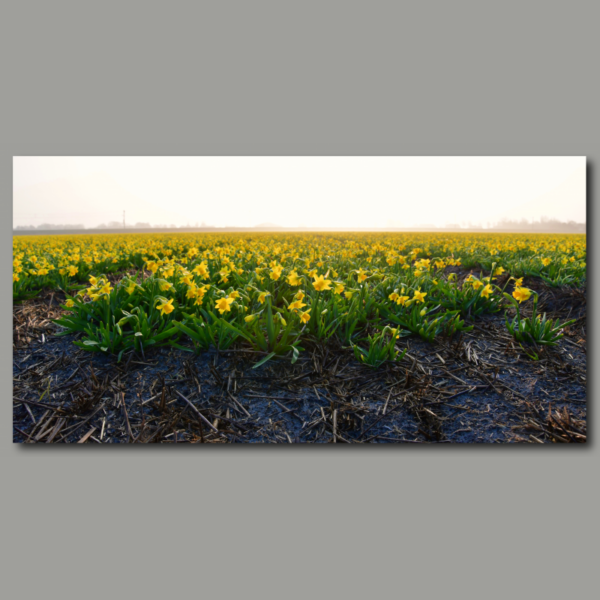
297 192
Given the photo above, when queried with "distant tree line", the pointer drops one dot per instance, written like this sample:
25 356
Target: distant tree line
109 225
544 224
119 225
48 226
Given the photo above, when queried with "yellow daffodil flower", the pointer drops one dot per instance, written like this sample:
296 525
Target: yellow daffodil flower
521 294
487 290
294 279
297 305
321 284
419 296
362 275
224 305
165 307
276 272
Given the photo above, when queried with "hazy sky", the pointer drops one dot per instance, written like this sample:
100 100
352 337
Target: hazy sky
296 191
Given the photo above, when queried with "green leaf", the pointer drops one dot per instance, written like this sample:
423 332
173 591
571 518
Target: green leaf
236 330
264 360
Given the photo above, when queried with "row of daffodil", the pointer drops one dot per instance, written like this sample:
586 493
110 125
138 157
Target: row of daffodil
275 290
61 261
272 305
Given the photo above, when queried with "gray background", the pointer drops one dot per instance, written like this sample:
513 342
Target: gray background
336 78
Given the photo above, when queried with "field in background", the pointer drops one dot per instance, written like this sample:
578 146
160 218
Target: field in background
374 302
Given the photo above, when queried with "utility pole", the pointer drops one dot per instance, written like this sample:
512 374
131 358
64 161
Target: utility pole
123 219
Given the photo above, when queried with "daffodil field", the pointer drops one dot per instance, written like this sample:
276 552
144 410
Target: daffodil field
276 291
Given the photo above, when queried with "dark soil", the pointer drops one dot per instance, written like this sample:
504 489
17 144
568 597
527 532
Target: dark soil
480 388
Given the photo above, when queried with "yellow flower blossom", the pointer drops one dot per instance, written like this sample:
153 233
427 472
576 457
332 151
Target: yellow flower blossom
297 305
201 270
105 289
165 306
419 296
224 273
320 283
276 272
224 304
487 290
362 275
521 294
294 278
